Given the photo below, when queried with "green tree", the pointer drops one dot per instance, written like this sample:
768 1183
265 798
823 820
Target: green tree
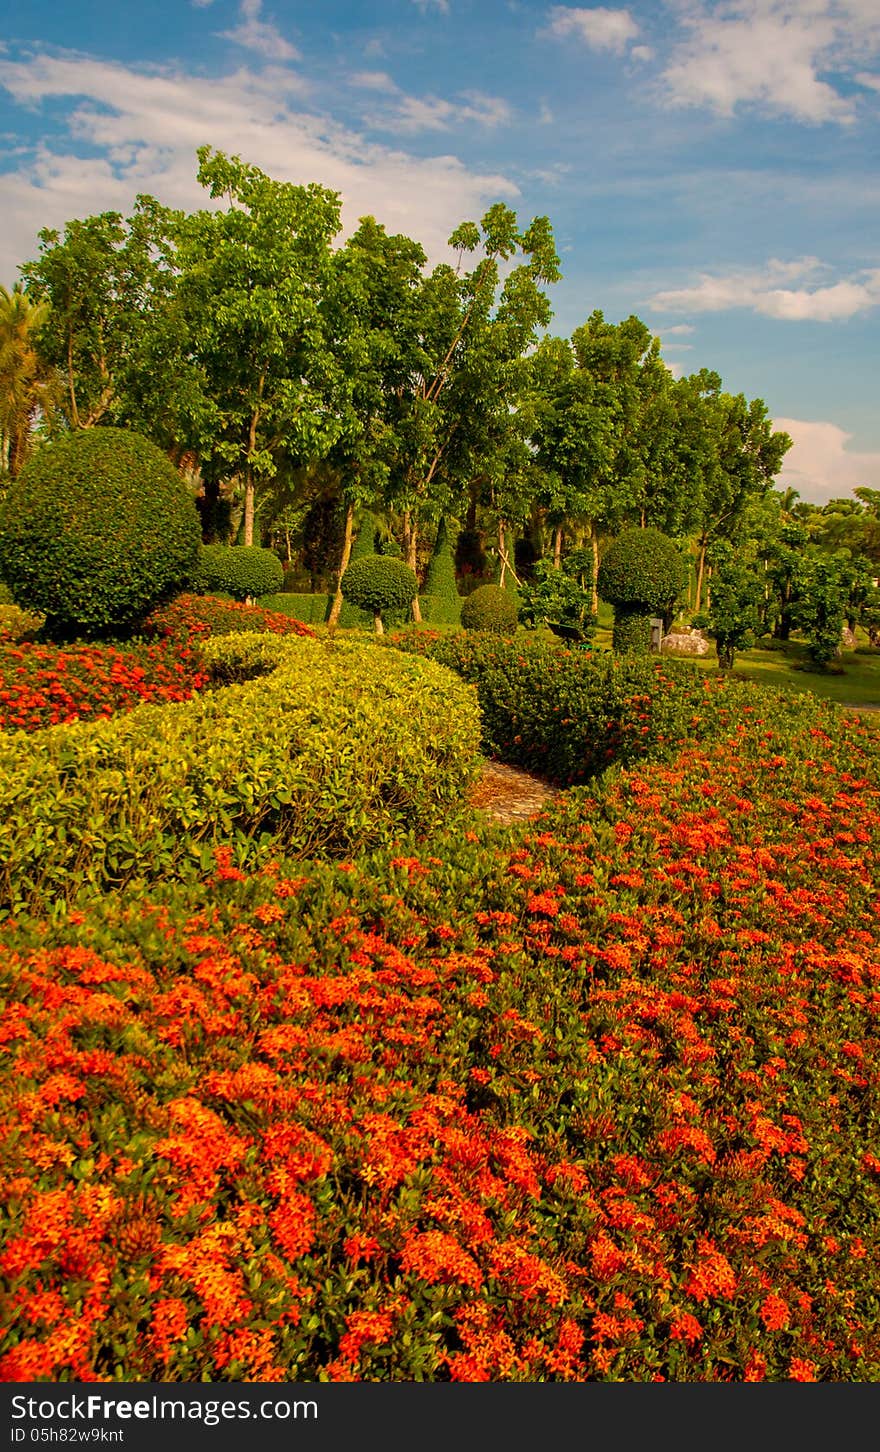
819 606
29 387
735 602
103 280
260 378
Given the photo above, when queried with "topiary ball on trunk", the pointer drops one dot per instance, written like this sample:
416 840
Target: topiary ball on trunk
97 529
379 584
490 608
243 571
641 574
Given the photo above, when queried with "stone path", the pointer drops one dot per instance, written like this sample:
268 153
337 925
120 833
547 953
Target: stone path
508 795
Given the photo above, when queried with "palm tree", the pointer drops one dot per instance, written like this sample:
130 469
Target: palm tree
29 388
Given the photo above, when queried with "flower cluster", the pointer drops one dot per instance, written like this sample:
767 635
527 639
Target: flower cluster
42 685
188 617
590 1101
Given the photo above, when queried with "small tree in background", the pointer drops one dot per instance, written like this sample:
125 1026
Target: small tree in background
379 584
735 609
490 608
557 599
641 574
242 571
819 608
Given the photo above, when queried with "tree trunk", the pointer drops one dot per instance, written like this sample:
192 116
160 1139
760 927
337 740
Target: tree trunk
335 608
249 507
700 572
502 553
594 588
725 656
377 621
557 547
411 548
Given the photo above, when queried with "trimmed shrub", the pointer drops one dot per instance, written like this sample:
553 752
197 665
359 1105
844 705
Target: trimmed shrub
490 608
569 714
192 616
311 608
641 574
331 749
379 584
440 583
96 529
242 571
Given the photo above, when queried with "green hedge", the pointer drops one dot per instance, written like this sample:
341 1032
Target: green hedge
331 750
314 609
570 714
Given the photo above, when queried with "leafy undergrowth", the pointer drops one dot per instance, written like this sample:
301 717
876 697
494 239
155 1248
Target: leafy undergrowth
597 1101
47 685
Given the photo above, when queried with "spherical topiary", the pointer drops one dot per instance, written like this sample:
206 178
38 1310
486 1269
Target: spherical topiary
642 567
641 574
379 583
96 530
490 608
243 571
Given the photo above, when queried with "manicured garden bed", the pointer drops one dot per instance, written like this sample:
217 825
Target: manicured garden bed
591 1100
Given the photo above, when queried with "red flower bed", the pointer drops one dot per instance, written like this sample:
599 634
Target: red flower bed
598 1104
44 685
191 616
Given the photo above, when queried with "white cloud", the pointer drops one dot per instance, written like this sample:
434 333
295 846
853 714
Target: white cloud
820 466
259 35
772 54
435 113
148 125
678 330
441 5
764 292
373 81
409 114
596 26
872 82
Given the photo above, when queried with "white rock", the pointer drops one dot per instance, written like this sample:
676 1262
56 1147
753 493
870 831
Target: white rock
692 642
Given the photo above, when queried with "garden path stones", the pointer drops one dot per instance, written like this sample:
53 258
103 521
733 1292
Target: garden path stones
508 795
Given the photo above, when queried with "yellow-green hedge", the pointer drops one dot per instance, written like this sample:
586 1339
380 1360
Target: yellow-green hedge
319 746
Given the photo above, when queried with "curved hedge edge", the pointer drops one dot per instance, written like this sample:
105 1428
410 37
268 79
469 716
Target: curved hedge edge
326 749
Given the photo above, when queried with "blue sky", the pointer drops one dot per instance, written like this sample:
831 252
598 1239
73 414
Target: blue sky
710 165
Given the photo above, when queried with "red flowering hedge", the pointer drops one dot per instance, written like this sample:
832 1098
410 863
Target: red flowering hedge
598 1101
46 685
191 616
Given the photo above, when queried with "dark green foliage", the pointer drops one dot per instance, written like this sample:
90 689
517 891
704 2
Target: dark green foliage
555 598
242 571
322 534
470 556
440 582
641 574
379 584
819 607
631 633
734 612
96 530
490 608
642 569
570 714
